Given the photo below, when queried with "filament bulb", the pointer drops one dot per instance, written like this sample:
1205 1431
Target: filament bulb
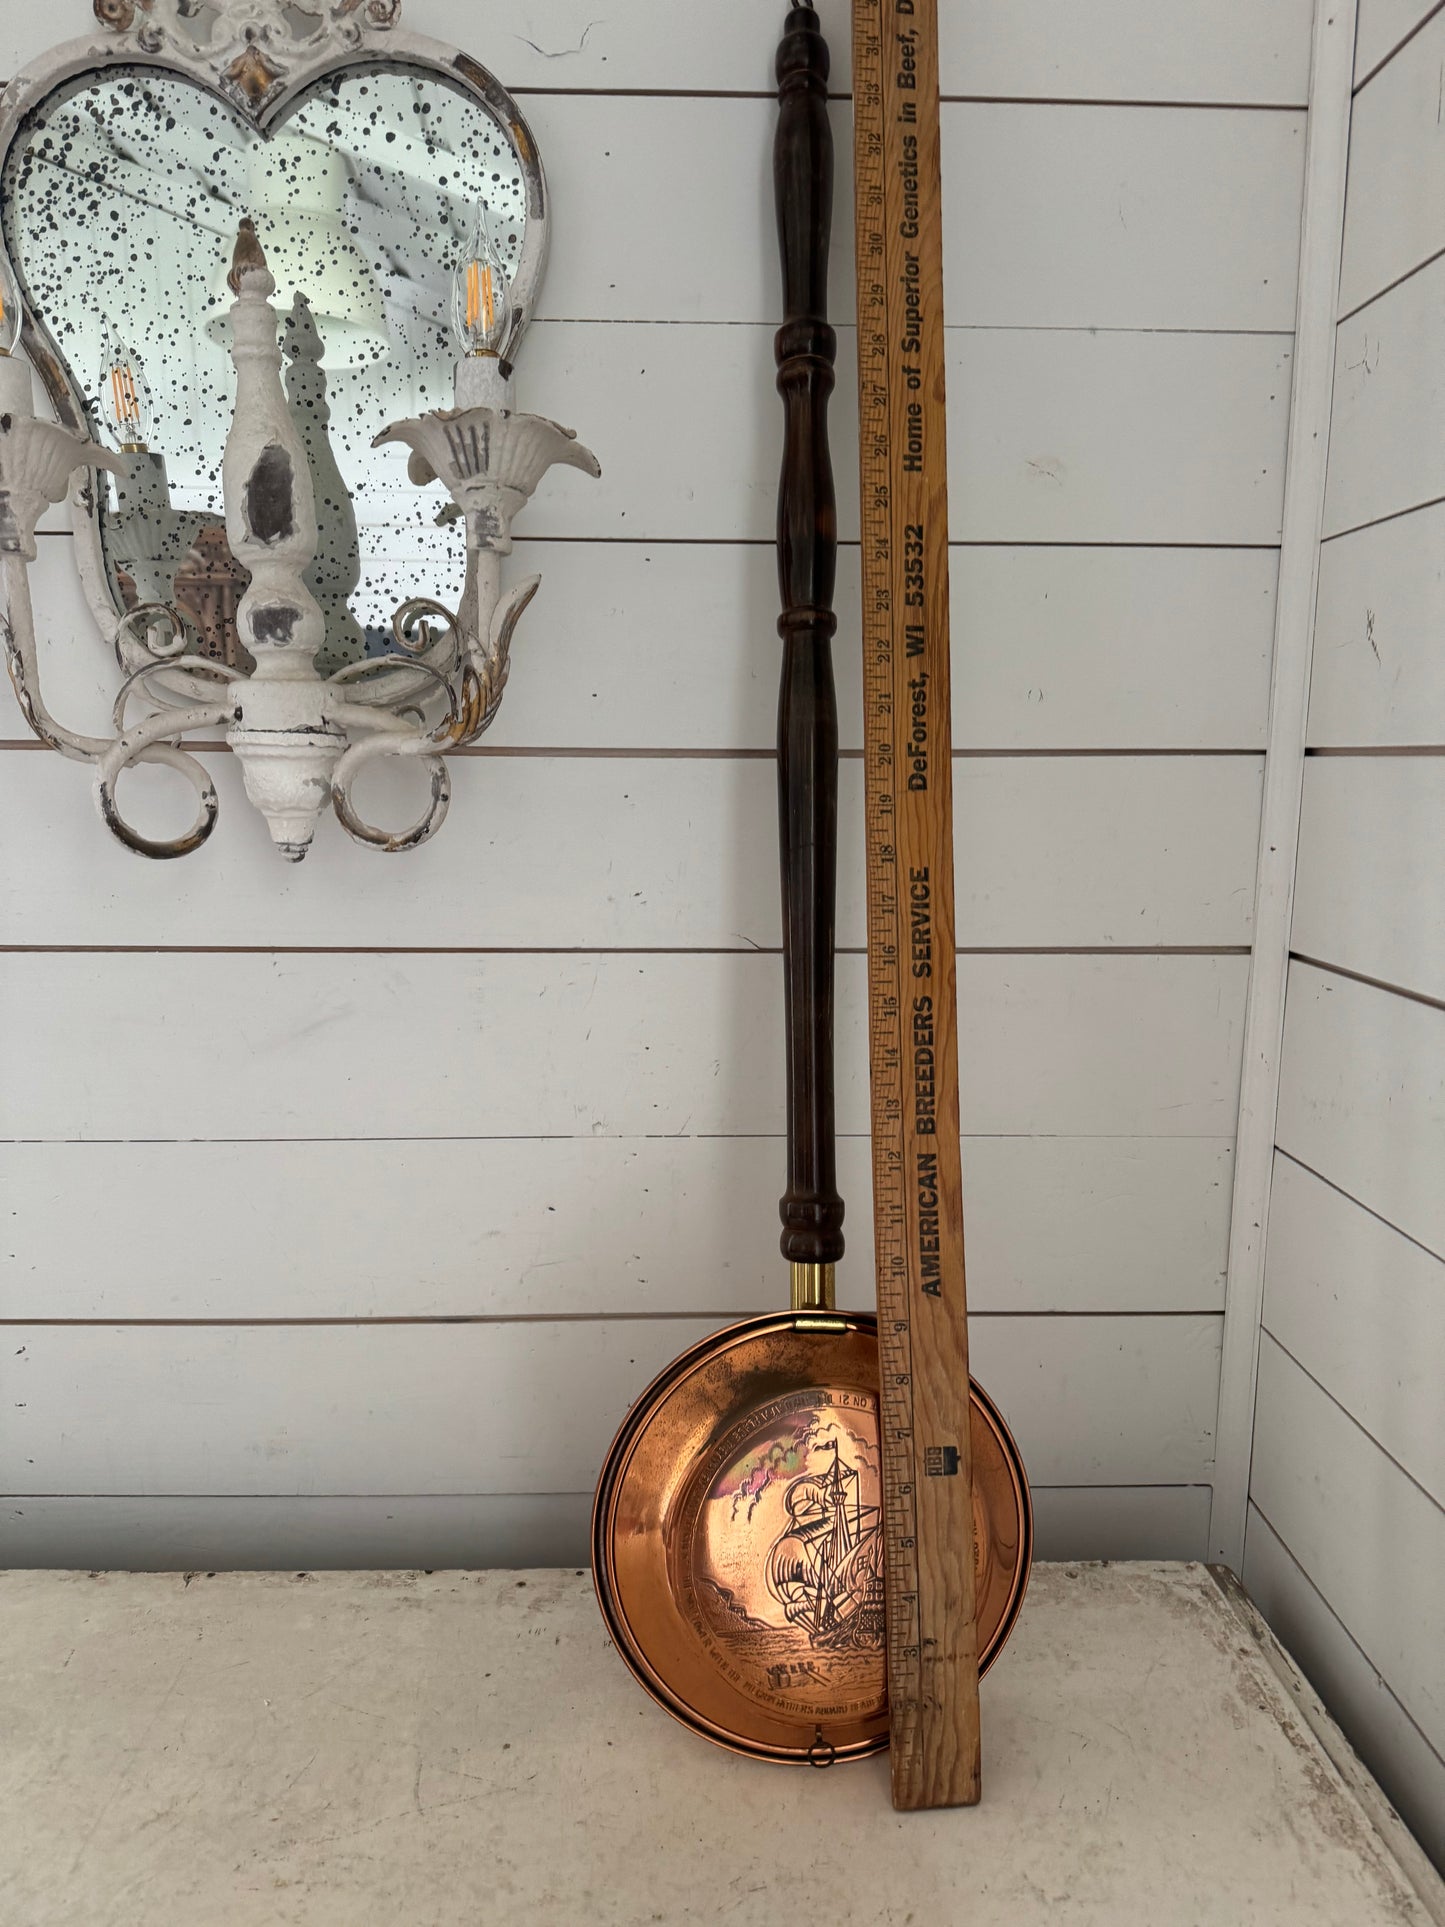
125 399
481 295
9 312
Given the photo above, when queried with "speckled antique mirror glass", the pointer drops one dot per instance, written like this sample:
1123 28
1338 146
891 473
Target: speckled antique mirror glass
272 261
122 191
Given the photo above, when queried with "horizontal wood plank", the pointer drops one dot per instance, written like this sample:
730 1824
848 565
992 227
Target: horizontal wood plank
1055 436
1387 435
1367 894
79 676
1368 1537
541 852
1185 824
1379 672
460 1531
1215 50
1095 217
1395 209
1218 50
1120 217
1410 1772
1383 26
1117 648
429 1532
523 1408
1362 1097
1076 437
1121 1521
1362 1309
178 1046
675 647
606 161
579 1226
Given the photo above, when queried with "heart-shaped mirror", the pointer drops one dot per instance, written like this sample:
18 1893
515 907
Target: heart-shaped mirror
123 185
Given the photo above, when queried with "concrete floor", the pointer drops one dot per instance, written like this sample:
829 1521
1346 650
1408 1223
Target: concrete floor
357 1748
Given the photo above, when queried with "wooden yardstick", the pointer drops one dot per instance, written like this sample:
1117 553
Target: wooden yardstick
917 1184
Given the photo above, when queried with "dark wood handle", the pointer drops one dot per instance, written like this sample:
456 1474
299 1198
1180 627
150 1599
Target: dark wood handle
812 1210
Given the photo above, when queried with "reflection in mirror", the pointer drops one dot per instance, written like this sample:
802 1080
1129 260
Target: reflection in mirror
336 573
122 196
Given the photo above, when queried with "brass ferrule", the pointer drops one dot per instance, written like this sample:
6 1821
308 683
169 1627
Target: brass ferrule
814 1287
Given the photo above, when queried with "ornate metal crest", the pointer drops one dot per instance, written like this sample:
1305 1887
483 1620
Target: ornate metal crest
253 45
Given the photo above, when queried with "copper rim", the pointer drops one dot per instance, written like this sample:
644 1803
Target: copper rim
736 1548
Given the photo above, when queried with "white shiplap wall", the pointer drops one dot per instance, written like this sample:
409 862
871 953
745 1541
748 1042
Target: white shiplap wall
1345 1548
346 1209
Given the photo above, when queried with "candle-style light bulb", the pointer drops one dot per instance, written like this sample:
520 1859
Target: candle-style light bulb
10 315
125 399
481 295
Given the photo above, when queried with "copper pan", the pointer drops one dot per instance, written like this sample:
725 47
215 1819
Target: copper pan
737 1542
713 1538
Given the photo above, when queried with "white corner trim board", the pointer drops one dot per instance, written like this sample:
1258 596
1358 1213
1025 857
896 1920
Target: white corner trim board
1322 232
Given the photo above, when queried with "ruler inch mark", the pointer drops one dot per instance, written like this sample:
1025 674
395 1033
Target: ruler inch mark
918 1230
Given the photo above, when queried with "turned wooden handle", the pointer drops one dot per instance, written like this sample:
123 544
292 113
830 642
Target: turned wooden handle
812 1211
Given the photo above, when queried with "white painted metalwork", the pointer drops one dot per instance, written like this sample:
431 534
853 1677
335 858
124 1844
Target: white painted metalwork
302 727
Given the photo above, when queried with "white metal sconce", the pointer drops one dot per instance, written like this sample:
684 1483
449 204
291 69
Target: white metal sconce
301 731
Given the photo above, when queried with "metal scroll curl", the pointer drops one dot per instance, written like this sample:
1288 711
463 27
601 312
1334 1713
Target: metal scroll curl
350 766
393 739
149 742
158 628
140 680
426 654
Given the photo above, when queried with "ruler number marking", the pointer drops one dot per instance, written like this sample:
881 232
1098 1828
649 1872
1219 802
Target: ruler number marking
898 333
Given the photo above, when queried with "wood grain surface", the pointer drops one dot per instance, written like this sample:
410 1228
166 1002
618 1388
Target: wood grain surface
933 1650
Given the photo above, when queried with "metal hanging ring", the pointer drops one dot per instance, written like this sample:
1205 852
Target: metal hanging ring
174 758
392 842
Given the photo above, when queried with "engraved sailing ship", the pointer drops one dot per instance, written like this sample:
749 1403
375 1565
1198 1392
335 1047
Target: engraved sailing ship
825 1569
